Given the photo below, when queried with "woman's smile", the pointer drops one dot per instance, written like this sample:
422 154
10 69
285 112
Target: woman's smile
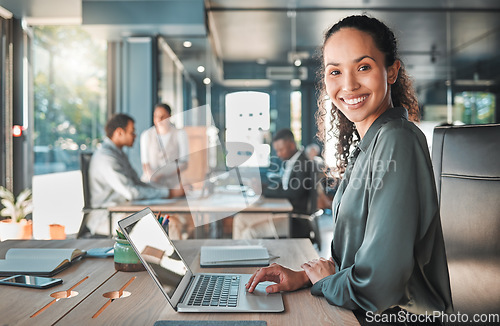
354 101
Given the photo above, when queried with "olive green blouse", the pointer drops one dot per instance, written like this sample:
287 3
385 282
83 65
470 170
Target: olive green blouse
388 244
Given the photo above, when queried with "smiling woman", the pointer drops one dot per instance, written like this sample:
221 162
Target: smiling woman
70 95
387 253
347 84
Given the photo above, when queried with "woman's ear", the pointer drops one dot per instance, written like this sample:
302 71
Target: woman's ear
392 72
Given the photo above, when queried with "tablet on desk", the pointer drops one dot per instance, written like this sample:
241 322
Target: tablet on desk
233 256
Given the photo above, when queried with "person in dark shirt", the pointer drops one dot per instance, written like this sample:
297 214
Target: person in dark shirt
293 180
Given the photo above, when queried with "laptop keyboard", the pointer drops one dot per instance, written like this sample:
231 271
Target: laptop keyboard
216 290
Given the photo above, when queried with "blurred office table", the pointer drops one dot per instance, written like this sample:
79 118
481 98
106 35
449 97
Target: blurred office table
146 304
208 210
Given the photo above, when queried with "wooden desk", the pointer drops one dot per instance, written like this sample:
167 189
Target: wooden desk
210 210
217 203
18 304
146 304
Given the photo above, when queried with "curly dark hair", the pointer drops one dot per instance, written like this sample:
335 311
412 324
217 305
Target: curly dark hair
402 92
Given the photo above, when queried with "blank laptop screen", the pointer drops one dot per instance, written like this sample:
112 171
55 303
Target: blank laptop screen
157 251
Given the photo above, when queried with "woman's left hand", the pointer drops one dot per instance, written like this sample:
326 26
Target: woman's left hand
318 269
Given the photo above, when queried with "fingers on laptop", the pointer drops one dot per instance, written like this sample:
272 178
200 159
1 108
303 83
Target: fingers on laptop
272 273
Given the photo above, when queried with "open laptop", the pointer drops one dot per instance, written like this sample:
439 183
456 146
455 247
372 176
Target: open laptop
185 291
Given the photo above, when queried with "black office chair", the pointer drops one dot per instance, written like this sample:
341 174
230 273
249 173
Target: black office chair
466 161
306 225
85 158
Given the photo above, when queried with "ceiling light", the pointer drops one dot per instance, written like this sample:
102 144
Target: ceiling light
297 63
187 44
200 69
474 82
261 61
47 21
4 13
206 81
295 82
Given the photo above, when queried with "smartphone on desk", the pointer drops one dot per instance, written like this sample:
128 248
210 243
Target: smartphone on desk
30 281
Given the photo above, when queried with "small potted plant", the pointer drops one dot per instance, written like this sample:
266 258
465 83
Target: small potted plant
126 259
15 210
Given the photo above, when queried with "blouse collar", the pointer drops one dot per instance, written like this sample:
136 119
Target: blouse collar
388 115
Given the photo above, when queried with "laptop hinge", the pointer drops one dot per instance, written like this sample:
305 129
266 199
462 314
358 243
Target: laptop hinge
187 289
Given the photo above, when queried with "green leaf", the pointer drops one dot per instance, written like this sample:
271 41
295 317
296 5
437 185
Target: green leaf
5 212
6 194
20 216
9 206
27 207
24 196
120 235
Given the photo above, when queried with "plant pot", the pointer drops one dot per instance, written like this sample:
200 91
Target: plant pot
57 232
126 259
26 229
10 229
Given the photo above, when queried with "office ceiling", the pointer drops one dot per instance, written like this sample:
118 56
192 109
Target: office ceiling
438 39
238 39
468 50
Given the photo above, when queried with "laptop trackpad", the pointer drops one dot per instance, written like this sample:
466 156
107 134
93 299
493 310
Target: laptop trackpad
260 300
261 288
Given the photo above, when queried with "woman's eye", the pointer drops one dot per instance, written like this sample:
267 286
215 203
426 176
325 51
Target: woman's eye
334 72
364 68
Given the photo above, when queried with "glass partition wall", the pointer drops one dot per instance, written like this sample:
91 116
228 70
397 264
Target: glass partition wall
69 80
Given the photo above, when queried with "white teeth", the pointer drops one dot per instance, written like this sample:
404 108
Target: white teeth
353 101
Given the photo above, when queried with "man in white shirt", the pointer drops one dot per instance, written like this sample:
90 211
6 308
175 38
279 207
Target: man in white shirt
112 179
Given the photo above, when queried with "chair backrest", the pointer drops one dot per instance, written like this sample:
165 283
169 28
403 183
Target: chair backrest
306 226
85 158
316 177
466 161
312 200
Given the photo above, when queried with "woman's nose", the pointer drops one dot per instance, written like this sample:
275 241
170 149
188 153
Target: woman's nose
350 82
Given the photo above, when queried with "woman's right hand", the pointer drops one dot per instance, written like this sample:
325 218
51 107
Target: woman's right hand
285 279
